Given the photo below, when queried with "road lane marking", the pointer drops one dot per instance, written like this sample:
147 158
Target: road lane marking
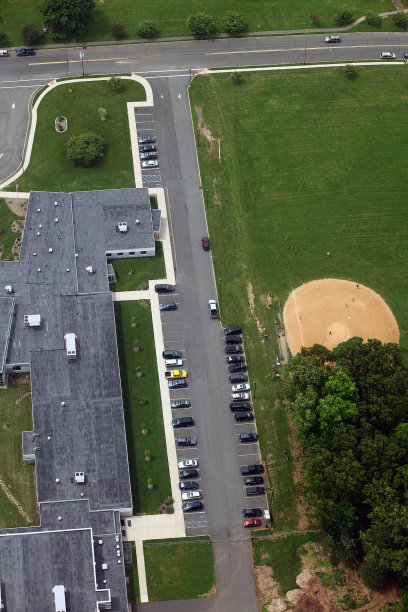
69 61
301 49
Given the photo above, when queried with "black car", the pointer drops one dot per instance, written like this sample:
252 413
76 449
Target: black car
147 148
253 480
146 139
255 491
180 404
231 350
236 359
168 306
256 468
182 422
251 512
248 437
187 441
192 506
237 378
233 340
238 367
172 354
164 288
188 485
150 155
177 383
188 473
240 406
235 329
24 51
240 417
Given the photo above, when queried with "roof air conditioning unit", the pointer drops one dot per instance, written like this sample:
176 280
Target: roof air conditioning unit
89 269
32 320
70 346
59 598
79 478
122 225
9 289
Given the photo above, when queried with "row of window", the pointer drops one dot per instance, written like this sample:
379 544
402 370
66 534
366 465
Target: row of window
130 253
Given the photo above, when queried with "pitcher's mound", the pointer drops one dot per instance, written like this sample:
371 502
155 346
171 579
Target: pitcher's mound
330 311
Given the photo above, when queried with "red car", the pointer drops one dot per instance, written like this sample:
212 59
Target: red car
252 523
206 243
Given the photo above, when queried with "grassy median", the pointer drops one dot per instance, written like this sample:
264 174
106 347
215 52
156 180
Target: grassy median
134 274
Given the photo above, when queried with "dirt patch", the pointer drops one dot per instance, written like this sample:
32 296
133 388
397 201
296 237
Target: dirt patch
211 592
16 248
251 300
17 226
18 206
331 311
203 129
268 590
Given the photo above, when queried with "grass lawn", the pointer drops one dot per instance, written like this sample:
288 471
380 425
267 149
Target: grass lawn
7 236
282 555
171 15
134 274
132 574
19 507
142 404
49 167
180 568
302 149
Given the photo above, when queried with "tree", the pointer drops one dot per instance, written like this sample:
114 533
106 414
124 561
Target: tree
31 34
372 574
85 149
115 83
374 20
233 22
67 17
350 71
201 24
118 30
400 19
147 29
236 77
103 113
344 18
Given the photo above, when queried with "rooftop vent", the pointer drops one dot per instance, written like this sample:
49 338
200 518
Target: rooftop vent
137 221
67 269
56 219
38 233
59 598
55 203
70 346
57 480
40 226
9 289
122 225
38 209
32 320
89 269
50 250
35 254
104 566
79 478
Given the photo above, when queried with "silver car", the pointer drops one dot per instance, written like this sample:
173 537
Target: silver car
152 163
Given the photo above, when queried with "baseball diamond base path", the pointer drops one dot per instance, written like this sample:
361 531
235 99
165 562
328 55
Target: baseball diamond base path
330 311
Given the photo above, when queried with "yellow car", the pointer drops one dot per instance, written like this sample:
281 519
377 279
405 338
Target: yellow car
172 374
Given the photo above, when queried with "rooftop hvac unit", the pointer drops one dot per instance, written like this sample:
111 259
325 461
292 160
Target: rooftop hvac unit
59 598
89 269
70 346
32 320
9 289
79 478
122 225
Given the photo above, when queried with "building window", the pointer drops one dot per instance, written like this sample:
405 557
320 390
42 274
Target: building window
143 252
129 523
17 368
119 254
108 254
131 252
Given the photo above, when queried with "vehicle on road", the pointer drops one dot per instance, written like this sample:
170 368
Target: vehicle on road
255 468
188 485
168 306
189 473
146 139
178 383
212 305
387 55
231 350
249 512
233 330
182 422
240 387
236 359
238 397
240 406
151 163
164 288
255 491
187 463
248 437
233 340
180 403
174 374
333 38
253 480
406 55
192 506
173 363
236 378
206 243
24 51
238 367
190 495
147 148
187 441
172 354
4 53
252 523
147 156
240 417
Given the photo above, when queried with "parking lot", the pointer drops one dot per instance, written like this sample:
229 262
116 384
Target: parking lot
145 126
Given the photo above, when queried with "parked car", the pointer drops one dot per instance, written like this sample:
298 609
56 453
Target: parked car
233 340
252 523
231 350
240 417
190 495
23 51
188 485
147 148
233 330
192 506
179 383
236 359
151 163
255 491
238 397
172 354
240 406
174 374
182 422
180 404
387 55
212 305
333 38
248 512
173 363
240 387
149 155
4 53
253 480
187 463
189 473
255 468
206 243
187 441
164 288
146 139
168 306
248 437
236 378
238 367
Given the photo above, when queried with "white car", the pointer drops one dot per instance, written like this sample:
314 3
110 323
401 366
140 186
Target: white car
237 397
188 463
191 495
173 363
387 55
241 387
212 304
151 163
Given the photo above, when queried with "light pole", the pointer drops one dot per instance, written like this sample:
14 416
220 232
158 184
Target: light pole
220 281
254 383
81 57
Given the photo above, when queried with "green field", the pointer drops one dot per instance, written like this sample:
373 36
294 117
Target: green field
49 167
142 405
301 149
171 15
19 507
7 236
134 274
180 568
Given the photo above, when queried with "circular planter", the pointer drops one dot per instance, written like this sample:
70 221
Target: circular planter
61 124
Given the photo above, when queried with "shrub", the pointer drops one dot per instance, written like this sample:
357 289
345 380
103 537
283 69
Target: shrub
344 18
316 20
118 30
400 20
201 24
85 149
115 83
236 77
350 71
374 20
147 29
31 34
372 574
234 22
